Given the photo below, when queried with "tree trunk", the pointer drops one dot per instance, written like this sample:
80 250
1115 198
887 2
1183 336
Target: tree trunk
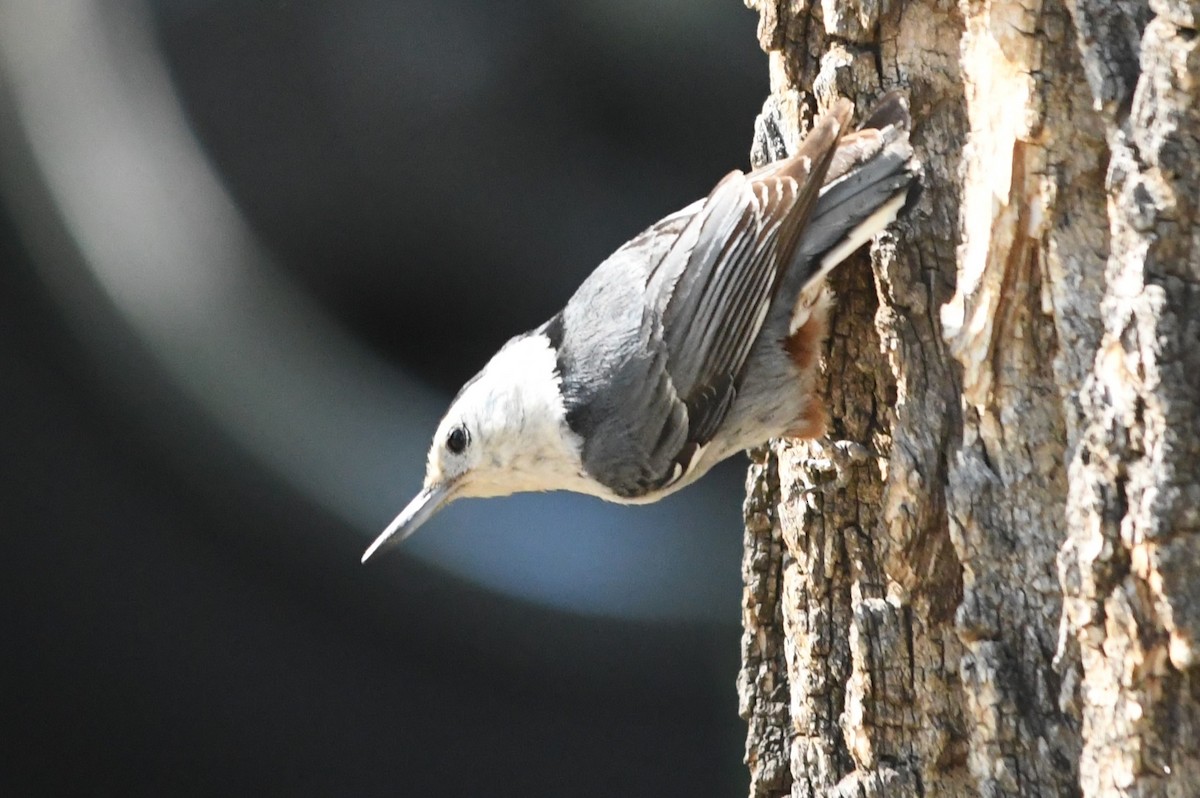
985 579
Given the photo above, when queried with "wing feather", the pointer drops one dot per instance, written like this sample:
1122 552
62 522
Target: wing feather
723 284
695 290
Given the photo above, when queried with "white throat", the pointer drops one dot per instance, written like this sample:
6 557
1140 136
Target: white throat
525 443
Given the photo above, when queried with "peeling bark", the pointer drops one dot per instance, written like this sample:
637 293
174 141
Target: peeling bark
985 579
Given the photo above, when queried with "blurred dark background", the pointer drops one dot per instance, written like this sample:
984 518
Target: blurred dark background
248 251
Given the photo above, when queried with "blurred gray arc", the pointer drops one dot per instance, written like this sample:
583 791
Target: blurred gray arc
91 118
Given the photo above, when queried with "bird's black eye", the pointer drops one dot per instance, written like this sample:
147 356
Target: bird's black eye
457 440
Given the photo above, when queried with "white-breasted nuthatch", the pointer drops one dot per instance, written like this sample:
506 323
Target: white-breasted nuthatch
695 340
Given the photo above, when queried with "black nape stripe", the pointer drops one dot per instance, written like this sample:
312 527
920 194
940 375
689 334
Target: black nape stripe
579 419
553 330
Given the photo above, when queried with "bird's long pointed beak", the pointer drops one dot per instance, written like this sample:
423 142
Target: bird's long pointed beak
419 510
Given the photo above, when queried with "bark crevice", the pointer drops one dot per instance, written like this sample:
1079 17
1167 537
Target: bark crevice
988 574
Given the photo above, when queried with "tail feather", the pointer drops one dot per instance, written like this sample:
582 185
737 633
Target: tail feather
890 111
873 177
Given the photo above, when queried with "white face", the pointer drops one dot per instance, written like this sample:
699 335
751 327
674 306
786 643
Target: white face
505 433
458 443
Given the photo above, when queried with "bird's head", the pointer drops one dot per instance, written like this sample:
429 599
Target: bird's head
504 433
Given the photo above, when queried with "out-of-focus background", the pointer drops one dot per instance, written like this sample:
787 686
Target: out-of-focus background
248 251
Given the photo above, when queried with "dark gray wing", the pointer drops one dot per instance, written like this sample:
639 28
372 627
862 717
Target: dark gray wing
649 375
723 284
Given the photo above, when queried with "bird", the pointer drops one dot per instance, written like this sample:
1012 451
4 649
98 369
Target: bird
695 340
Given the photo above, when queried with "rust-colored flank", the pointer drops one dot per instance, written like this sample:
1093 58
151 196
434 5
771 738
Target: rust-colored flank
804 347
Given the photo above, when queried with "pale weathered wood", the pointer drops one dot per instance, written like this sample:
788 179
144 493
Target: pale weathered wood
986 579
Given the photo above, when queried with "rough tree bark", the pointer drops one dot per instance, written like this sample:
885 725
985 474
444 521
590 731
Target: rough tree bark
985 579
